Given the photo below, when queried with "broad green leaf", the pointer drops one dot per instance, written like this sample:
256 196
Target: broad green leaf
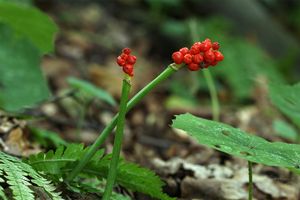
238 143
22 83
285 130
91 90
287 99
30 22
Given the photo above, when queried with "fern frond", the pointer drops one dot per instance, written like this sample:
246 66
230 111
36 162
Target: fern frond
53 162
97 186
20 176
2 194
131 176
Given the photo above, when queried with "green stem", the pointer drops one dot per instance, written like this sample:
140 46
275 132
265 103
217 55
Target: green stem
208 77
82 114
112 174
250 187
213 94
109 128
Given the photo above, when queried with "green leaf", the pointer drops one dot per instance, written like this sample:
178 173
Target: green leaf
30 22
53 162
238 143
91 90
96 186
19 176
285 130
45 136
131 176
21 82
287 99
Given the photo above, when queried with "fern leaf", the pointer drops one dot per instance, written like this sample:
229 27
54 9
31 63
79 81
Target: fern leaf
41 181
2 194
20 176
54 162
131 176
95 185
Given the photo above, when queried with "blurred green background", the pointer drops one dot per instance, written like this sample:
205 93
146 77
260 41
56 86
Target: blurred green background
259 38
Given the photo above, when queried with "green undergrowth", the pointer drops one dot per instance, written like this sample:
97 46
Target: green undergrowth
131 176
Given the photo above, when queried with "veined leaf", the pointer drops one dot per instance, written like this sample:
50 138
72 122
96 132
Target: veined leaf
287 99
21 81
30 22
238 143
91 90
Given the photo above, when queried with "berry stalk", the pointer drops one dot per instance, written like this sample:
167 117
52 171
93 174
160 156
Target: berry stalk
112 173
250 184
211 57
109 128
213 95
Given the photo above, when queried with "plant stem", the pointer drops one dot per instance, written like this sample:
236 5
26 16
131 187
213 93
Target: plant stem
213 94
250 184
207 75
109 128
112 174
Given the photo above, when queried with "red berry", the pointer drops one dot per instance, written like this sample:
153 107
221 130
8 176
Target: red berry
126 51
194 50
184 50
120 61
205 46
218 56
197 45
207 40
198 58
131 60
214 63
187 59
209 56
216 46
193 67
128 69
124 56
177 57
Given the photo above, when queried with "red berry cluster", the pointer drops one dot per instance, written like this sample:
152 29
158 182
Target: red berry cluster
200 55
126 61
